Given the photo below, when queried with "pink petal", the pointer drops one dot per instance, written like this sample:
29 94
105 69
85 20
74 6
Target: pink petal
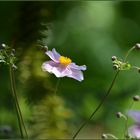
134 131
61 71
56 68
135 114
49 65
54 55
74 66
76 74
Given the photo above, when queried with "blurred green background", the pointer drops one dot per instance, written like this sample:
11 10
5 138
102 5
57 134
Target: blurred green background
89 32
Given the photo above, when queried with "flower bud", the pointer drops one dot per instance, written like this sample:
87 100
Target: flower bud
45 48
137 46
139 70
113 58
118 114
104 136
136 98
115 67
14 66
2 46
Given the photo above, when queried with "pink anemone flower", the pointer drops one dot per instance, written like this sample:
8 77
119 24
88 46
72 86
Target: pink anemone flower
134 130
62 66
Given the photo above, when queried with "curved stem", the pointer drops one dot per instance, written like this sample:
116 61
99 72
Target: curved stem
13 95
19 114
112 136
98 107
126 123
128 52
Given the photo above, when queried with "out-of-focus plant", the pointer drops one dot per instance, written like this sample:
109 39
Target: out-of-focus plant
50 118
7 56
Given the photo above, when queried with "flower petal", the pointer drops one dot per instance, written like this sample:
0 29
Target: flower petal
74 66
54 55
134 131
135 114
61 71
49 65
57 69
76 74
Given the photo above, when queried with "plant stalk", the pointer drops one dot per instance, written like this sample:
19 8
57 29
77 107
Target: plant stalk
98 107
18 110
56 87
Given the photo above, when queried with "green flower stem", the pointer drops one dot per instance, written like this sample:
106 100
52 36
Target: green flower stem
128 52
14 99
126 128
106 95
126 123
56 87
98 107
125 59
112 136
18 111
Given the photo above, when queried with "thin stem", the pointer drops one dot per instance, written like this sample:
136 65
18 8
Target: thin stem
128 52
57 84
135 67
125 129
106 95
13 95
126 123
112 136
16 99
125 58
98 107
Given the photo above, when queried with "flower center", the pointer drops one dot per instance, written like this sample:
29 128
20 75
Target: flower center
64 60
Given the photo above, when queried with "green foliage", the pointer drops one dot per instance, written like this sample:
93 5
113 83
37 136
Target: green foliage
8 127
7 55
50 119
33 81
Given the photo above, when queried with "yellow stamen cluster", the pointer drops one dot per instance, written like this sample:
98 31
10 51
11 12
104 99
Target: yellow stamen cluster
64 60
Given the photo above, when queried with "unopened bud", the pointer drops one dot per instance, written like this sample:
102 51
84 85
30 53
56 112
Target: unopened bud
113 58
137 46
14 66
136 98
115 67
2 46
104 136
139 70
118 114
45 48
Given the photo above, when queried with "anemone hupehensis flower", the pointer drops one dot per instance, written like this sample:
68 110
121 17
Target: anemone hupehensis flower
134 130
62 66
